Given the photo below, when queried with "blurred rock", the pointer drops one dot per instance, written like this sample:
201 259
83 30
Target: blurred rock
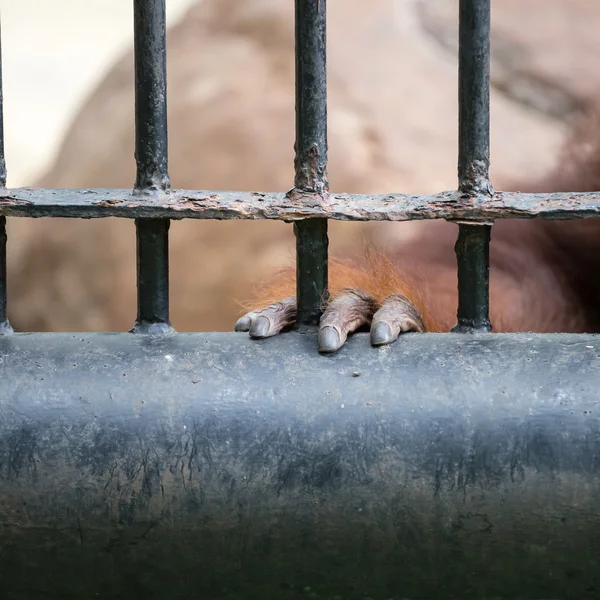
541 51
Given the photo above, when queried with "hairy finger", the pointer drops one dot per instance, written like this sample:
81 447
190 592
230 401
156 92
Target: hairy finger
345 314
397 315
270 320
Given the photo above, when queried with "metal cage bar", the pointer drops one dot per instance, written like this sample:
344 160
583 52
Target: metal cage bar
4 324
311 156
151 153
472 246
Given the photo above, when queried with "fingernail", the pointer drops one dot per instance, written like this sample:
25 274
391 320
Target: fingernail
381 333
329 340
243 324
260 328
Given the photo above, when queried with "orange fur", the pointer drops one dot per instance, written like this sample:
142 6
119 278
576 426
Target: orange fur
378 277
543 274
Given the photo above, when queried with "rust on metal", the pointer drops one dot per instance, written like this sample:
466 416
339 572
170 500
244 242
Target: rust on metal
295 205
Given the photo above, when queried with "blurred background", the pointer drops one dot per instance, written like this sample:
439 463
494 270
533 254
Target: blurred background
68 73
54 54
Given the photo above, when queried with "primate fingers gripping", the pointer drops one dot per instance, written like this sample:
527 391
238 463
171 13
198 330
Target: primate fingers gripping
270 320
397 315
345 314
353 309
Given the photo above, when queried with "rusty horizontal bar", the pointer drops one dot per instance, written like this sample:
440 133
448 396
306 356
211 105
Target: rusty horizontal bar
198 204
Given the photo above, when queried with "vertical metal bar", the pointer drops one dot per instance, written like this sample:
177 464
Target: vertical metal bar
4 324
311 156
472 246
151 153
472 253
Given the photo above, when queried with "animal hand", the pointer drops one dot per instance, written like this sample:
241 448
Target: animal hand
349 311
